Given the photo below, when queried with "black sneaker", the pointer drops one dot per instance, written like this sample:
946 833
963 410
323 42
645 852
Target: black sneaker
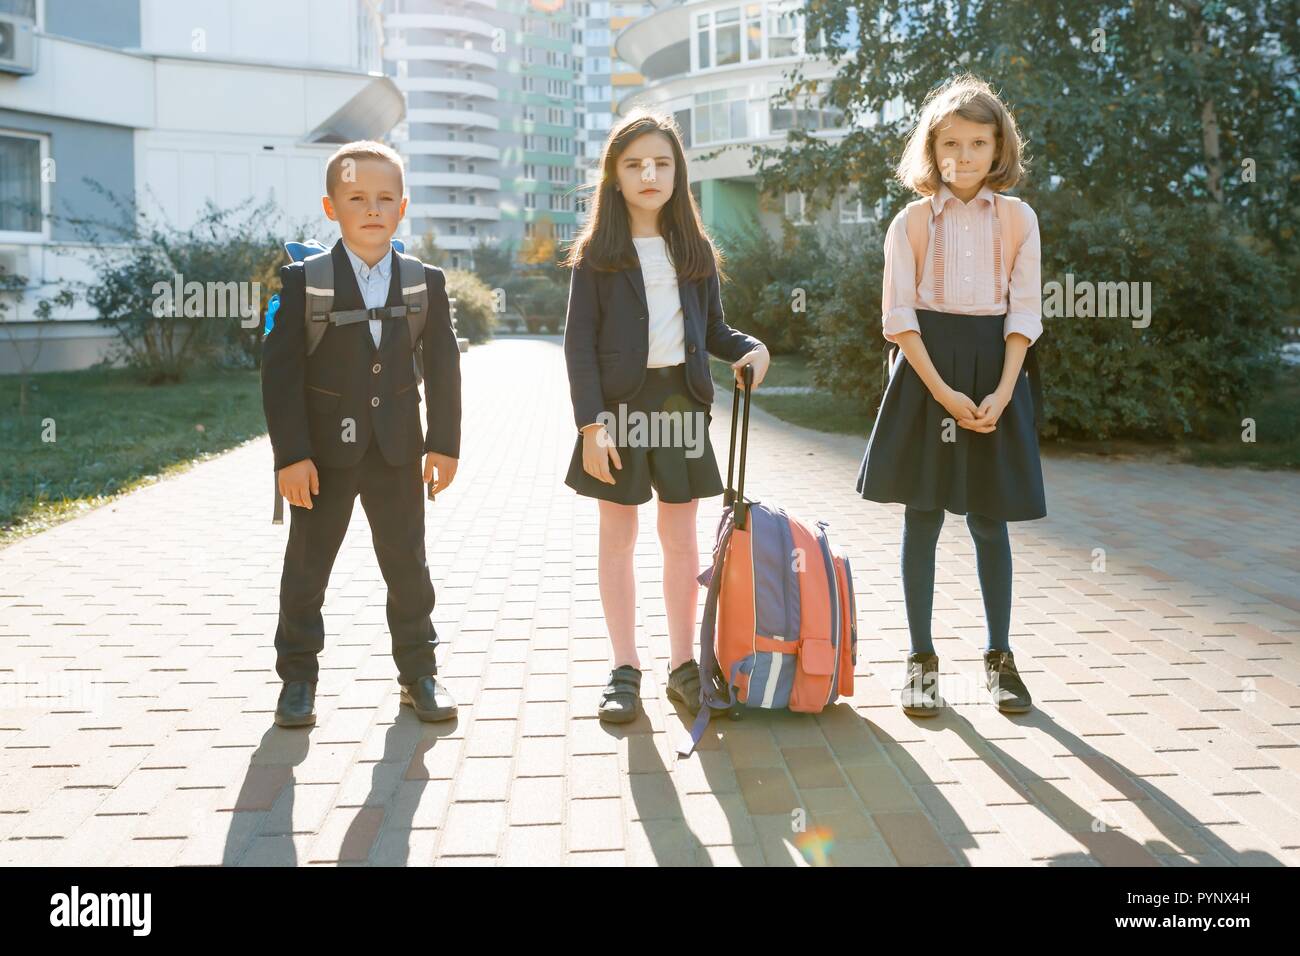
919 694
621 700
1006 688
684 685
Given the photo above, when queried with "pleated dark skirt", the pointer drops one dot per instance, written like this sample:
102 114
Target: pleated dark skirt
673 454
996 475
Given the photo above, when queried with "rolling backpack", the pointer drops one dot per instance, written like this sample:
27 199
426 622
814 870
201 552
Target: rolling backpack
319 313
780 620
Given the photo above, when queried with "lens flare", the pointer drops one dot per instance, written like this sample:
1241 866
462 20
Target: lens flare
816 845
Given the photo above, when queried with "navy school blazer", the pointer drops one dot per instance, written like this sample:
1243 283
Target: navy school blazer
607 337
307 398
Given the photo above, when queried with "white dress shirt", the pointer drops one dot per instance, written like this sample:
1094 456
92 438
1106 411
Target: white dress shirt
971 264
373 281
666 321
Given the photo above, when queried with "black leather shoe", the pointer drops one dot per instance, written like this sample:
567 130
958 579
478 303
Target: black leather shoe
620 702
429 699
684 685
297 704
919 694
1006 688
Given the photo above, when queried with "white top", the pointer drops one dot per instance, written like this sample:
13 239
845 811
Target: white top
373 282
666 321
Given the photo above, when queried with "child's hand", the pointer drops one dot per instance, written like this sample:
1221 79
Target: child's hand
446 467
759 358
990 411
597 451
960 407
298 482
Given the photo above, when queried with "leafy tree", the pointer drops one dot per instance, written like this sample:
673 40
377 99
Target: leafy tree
1163 145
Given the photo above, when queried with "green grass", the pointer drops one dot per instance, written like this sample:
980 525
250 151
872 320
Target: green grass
112 434
1277 421
819 410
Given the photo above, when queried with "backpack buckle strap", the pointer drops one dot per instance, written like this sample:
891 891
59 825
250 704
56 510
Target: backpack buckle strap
348 316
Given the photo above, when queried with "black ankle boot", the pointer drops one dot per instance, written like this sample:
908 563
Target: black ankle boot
919 694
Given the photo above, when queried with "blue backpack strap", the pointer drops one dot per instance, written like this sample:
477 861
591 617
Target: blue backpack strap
298 251
415 298
710 697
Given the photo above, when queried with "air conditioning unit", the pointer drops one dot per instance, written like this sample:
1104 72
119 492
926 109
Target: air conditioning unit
17 44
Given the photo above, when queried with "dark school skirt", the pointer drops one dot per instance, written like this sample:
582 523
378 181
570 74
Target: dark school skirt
662 437
997 475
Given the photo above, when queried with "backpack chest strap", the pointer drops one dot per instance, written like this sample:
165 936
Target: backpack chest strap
352 316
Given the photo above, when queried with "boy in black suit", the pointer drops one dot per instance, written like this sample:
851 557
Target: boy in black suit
345 420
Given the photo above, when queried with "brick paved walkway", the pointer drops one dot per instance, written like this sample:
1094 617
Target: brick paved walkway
138 678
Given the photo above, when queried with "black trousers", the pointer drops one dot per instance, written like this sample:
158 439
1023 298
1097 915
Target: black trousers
393 499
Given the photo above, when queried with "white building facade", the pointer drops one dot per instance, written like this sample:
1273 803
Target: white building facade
719 67
172 104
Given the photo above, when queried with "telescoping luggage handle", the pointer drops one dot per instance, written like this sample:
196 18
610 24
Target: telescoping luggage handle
736 496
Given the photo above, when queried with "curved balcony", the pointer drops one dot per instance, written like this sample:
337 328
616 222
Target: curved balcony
658 45
449 85
462 119
456 149
433 53
454 180
453 211
425 21
450 25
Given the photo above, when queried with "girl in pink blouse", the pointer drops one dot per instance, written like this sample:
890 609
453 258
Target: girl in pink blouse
957 427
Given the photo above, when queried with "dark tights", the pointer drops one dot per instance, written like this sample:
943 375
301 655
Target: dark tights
992 559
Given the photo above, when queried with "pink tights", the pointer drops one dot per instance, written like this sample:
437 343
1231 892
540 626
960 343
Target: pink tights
677 537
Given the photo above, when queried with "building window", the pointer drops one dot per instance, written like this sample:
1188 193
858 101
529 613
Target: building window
530 171
726 36
754 31
794 208
784 32
852 210
729 36
806 111
21 189
530 200
683 118
720 116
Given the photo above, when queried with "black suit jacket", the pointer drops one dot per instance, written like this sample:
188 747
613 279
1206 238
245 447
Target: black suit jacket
607 337
310 399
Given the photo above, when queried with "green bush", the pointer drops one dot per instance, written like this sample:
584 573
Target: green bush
475 315
1210 347
847 341
232 254
771 283
539 298
1215 322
